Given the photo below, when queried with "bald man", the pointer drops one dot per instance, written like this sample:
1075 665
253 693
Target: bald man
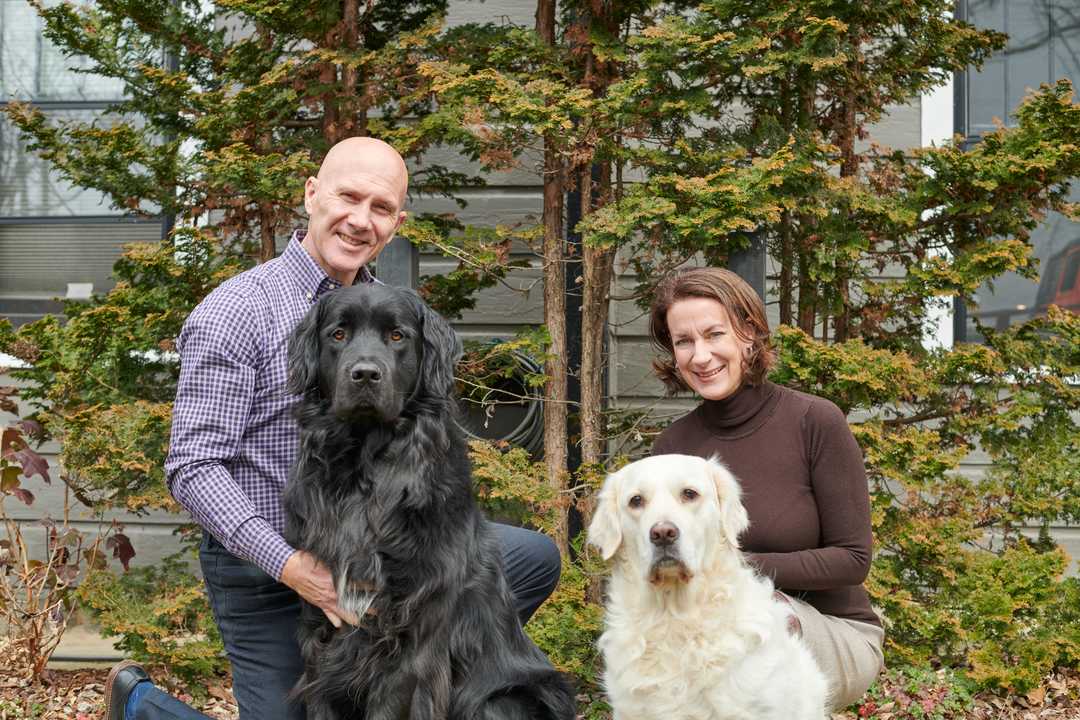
234 440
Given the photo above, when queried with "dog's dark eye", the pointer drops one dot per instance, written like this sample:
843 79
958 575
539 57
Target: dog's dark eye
689 494
637 501
397 335
338 334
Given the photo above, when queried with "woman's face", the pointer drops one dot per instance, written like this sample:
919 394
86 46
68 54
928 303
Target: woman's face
708 354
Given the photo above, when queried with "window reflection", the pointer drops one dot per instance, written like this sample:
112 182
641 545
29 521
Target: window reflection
31 67
1044 45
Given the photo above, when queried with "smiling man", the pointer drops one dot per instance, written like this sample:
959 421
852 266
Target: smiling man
355 206
234 440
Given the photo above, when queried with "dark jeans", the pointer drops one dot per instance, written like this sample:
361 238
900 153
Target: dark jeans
258 617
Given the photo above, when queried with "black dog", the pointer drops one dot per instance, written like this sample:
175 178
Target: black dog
381 494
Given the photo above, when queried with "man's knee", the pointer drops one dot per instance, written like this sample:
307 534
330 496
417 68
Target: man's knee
548 564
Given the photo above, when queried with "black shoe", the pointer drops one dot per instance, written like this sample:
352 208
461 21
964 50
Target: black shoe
122 680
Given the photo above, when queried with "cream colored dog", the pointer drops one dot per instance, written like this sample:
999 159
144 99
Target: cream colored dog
691 631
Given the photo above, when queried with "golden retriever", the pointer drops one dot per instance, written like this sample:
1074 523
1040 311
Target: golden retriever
691 631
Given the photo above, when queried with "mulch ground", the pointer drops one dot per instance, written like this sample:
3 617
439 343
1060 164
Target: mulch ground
80 695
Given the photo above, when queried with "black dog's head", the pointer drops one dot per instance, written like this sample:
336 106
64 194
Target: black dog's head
365 352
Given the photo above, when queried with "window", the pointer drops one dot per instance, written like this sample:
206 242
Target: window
1044 46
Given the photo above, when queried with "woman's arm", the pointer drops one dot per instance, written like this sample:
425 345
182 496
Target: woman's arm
838 480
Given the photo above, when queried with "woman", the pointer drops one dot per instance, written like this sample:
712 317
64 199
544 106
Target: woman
801 471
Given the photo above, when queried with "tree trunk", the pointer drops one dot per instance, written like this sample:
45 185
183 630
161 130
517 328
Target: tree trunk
804 243
598 264
555 393
807 291
787 262
350 75
267 249
849 167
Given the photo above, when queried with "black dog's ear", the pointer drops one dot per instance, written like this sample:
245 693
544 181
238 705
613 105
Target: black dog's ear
304 351
442 350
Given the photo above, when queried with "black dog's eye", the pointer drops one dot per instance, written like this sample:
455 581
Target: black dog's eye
637 501
338 334
689 494
397 335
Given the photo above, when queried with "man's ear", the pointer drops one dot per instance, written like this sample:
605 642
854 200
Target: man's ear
733 517
605 531
310 188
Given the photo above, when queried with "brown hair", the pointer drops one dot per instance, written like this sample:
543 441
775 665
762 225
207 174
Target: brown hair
743 306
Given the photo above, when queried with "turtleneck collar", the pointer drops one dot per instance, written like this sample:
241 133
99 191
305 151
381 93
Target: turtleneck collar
743 412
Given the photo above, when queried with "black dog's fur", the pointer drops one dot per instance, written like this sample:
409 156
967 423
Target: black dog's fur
381 493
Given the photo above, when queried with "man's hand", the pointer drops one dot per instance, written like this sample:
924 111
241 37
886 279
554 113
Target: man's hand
313 582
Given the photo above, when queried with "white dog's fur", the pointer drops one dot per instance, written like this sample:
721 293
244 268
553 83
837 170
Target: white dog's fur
691 631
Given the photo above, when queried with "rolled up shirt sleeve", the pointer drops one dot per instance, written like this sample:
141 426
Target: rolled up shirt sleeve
220 358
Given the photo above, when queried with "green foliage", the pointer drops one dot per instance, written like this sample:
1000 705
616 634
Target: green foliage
566 628
918 693
511 487
161 615
117 454
958 580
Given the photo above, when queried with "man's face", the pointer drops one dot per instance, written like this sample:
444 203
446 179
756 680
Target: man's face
354 210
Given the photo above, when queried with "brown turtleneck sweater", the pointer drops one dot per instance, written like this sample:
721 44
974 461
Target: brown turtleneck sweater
804 487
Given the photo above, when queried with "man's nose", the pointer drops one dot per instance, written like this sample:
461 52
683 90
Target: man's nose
360 216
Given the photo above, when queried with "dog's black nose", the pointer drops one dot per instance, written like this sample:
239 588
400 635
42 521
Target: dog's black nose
663 533
363 372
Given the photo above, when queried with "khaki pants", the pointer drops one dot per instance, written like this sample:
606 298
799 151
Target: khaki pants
848 652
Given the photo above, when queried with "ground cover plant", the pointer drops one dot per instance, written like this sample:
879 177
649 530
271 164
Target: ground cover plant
688 131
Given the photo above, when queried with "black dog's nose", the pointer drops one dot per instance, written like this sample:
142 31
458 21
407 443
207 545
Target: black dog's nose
365 372
663 533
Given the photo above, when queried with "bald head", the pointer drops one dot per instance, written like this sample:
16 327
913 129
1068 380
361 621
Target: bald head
369 156
355 205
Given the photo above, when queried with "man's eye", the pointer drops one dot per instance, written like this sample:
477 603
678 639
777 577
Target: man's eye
689 494
637 501
338 334
397 335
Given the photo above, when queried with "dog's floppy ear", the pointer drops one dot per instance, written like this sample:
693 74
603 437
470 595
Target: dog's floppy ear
442 349
733 517
605 531
304 351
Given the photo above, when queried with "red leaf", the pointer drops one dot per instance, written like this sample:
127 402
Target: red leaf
6 403
33 464
121 547
67 573
25 495
9 440
32 429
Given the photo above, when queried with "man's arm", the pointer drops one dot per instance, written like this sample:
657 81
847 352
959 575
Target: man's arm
219 354
220 351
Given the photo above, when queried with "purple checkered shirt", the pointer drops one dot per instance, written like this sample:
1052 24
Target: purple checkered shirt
233 435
